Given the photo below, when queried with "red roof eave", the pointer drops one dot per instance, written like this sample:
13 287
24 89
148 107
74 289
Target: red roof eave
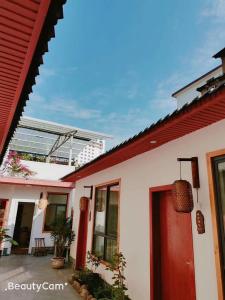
199 114
36 182
25 30
44 5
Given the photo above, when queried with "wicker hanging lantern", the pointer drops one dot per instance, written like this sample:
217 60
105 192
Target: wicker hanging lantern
182 196
83 203
43 201
200 222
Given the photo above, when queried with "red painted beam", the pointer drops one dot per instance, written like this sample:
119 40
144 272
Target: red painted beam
36 182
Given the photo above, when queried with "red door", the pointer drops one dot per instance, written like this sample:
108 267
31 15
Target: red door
173 255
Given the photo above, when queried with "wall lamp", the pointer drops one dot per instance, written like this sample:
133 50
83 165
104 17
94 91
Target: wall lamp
88 191
195 170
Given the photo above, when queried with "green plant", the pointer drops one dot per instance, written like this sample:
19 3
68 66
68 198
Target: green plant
118 266
62 235
4 237
94 261
97 287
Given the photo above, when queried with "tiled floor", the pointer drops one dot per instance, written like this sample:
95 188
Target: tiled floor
29 272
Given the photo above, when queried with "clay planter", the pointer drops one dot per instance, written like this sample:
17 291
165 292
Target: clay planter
57 262
82 290
84 293
76 286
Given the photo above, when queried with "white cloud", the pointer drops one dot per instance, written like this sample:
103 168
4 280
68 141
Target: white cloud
215 9
69 108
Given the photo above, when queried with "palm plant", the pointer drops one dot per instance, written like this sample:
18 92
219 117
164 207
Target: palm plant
62 235
4 237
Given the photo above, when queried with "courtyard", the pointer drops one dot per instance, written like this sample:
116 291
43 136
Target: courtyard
30 272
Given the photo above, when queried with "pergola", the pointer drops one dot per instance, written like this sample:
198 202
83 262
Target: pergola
25 29
52 139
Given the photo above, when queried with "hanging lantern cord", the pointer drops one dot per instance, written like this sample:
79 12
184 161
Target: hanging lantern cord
180 169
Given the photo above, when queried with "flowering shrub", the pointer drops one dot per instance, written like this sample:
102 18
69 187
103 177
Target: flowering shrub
14 167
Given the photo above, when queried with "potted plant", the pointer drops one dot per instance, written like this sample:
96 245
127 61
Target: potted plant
4 237
62 235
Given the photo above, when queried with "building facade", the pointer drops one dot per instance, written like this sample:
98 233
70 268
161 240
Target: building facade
21 213
132 207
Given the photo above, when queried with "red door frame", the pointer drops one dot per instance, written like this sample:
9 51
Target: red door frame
82 238
151 195
152 191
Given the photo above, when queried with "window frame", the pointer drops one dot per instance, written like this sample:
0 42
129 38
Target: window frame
45 210
105 236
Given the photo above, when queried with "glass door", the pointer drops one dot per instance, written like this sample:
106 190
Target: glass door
219 179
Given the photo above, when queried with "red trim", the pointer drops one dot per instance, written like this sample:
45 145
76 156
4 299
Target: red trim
151 192
36 182
25 52
199 114
82 238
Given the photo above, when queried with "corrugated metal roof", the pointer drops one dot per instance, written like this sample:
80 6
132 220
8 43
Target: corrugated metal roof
201 112
25 29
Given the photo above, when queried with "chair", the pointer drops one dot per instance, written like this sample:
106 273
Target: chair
40 249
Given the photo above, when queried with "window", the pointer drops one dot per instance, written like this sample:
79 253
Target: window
106 222
219 178
56 210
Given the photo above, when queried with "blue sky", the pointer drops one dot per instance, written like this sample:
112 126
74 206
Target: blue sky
115 63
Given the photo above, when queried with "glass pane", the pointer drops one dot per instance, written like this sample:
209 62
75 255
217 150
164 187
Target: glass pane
60 212
100 209
50 217
111 249
57 198
221 175
98 246
112 214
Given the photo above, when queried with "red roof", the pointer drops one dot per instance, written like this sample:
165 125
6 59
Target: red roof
200 113
25 28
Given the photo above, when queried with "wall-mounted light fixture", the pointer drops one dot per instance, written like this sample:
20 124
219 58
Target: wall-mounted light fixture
88 194
43 201
84 203
88 191
183 198
194 168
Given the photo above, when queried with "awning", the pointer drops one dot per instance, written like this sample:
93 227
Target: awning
25 28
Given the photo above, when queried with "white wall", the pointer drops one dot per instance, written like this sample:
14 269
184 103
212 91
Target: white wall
48 171
155 168
30 194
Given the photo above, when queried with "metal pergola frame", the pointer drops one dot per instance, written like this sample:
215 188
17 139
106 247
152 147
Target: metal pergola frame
52 139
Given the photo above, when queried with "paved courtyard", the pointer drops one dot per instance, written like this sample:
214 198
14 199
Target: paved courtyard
29 273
